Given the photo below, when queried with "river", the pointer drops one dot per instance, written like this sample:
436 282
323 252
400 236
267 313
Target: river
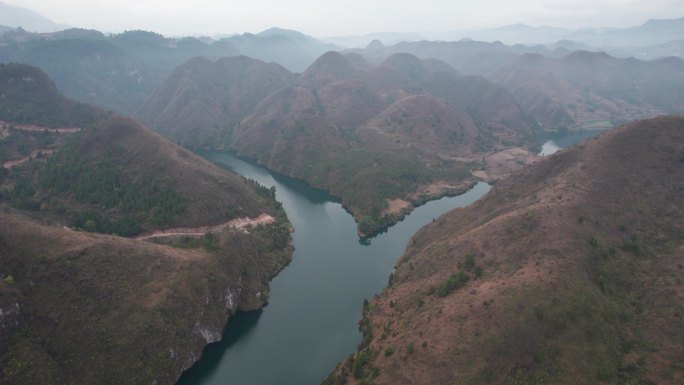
309 324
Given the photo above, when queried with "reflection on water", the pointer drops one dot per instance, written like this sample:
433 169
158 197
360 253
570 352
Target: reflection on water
211 357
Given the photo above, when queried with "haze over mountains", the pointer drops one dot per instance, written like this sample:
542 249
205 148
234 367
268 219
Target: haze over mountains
14 17
650 33
122 253
121 71
405 111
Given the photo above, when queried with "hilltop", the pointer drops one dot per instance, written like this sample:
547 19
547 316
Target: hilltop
568 272
202 101
77 293
405 131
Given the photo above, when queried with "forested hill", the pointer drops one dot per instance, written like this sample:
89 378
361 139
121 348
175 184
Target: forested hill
383 138
28 96
76 292
114 172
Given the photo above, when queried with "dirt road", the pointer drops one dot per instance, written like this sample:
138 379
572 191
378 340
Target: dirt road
238 223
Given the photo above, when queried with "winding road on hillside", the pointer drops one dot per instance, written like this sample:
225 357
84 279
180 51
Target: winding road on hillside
237 223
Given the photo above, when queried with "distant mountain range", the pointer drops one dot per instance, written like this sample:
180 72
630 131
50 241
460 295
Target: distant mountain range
14 17
652 32
561 90
121 71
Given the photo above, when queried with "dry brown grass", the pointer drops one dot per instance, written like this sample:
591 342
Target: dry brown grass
581 254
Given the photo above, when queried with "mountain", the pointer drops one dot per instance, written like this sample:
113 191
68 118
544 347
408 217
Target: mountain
406 131
555 275
585 90
513 34
14 17
658 51
349 127
117 245
361 41
466 56
291 49
121 71
117 72
561 90
202 101
652 32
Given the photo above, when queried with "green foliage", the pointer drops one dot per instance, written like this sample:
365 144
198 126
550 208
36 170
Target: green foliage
389 351
468 263
263 191
593 242
100 183
632 246
360 361
9 280
456 281
22 194
479 271
209 241
409 348
30 97
90 220
366 179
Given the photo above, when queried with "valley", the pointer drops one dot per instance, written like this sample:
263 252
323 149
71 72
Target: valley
486 205
369 136
309 323
376 126
328 280
553 274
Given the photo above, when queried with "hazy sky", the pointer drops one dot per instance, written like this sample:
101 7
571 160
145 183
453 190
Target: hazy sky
331 17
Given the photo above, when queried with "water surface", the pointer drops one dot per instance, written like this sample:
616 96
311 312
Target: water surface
309 324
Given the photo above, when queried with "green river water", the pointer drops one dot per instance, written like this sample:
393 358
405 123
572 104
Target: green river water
310 322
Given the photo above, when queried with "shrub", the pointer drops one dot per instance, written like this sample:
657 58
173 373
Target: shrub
456 281
593 242
469 262
389 351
